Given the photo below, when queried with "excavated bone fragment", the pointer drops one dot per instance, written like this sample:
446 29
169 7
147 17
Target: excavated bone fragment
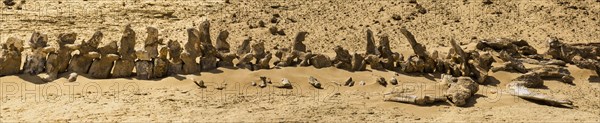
530 80
200 83
191 52
35 61
510 64
124 65
222 45
263 81
305 58
297 44
147 55
384 47
245 62
264 62
80 63
314 82
456 90
394 81
358 62
285 83
245 47
161 63
552 71
175 62
258 49
343 59
517 88
374 62
10 56
102 66
57 62
73 77
320 61
460 91
349 82
382 81
371 49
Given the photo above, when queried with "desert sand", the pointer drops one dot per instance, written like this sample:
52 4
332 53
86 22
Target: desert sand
229 95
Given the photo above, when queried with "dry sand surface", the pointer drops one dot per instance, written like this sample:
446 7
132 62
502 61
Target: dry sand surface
329 23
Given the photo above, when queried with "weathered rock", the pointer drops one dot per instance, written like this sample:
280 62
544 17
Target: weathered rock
81 62
358 62
374 62
530 80
245 47
73 77
297 44
320 61
343 59
161 63
35 61
10 56
222 45
314 82
124 66
371 48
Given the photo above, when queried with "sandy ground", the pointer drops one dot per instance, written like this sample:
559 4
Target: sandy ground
330 23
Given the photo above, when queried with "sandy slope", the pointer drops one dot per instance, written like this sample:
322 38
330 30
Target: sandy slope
330 23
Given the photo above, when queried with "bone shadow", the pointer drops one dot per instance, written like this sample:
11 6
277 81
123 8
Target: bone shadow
594 79
539 102
35 79
473 100
493 81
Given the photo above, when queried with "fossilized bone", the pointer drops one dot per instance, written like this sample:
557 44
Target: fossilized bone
455 90
10 56
124 65
80 63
